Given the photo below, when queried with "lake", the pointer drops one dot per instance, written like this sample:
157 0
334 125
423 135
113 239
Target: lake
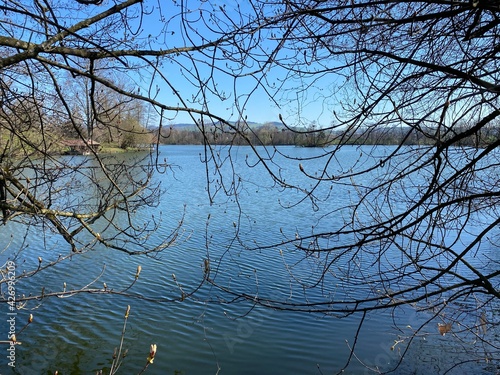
213 332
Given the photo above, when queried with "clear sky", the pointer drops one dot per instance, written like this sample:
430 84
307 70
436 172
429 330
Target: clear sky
296 107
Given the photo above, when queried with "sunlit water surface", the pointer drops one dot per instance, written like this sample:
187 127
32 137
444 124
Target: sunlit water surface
77 335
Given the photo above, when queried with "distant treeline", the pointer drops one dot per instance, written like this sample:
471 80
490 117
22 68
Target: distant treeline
314 137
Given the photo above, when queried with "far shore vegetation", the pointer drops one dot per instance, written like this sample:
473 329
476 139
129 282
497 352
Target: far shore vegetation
269 134
277 134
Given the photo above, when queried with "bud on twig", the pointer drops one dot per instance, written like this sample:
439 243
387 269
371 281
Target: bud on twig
152 353
30 319
127 312
139 268
444 328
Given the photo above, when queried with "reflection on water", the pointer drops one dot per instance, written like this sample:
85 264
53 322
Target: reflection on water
78 335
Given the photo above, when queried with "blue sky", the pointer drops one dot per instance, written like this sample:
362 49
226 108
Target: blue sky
160 26
295 107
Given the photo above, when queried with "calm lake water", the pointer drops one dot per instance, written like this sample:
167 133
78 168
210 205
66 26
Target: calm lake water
77 335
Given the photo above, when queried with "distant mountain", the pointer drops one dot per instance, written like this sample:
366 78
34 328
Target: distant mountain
276 124
183 126
251 124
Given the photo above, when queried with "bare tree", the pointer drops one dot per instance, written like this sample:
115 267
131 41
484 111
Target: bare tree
424 218
75 199
419 216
